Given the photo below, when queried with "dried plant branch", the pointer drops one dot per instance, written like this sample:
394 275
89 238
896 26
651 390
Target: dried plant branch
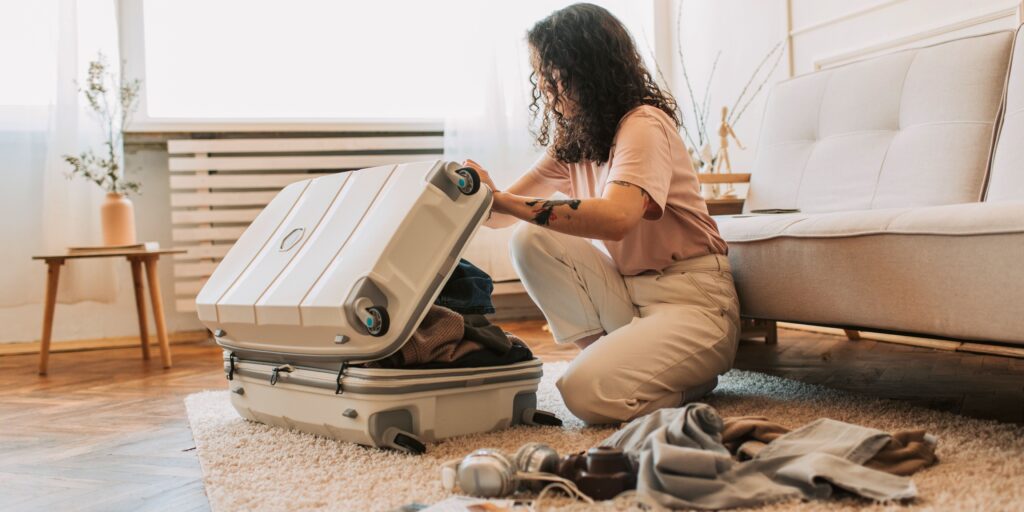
707 91
701 127
737 111
112 99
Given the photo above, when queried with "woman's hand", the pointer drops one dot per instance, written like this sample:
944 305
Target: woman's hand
609 217
527 185
485 177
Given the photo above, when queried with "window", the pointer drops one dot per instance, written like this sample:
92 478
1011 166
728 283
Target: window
27 46
45 46
326 59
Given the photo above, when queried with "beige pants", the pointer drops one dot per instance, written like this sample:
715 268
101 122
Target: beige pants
669 334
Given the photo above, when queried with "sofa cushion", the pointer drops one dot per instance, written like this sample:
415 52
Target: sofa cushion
913 128
1006 179
968 219
947 271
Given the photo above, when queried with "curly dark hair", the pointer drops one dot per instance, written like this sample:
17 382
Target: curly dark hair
585 54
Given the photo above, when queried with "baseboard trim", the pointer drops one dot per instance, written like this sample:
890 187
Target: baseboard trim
937 344
512 303
32 347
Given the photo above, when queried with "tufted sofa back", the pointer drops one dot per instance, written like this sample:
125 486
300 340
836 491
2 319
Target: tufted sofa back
912 128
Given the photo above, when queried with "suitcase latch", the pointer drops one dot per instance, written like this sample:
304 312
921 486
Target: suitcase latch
231 366
337 381
275 374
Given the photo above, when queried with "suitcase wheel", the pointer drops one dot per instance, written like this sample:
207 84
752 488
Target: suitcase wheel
378 321
410 444
537 418
469 180
398 439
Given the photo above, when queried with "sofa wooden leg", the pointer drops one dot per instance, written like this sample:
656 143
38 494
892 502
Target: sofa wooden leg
852 335
771 333
752 328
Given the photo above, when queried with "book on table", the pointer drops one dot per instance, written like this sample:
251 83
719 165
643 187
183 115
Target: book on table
142 246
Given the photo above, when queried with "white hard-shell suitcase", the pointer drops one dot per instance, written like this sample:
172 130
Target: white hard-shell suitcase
340 270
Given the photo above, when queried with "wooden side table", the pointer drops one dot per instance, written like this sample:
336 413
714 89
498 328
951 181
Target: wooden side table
730 206
138 260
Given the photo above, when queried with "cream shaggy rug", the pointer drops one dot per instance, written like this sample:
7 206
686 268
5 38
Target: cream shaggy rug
248 466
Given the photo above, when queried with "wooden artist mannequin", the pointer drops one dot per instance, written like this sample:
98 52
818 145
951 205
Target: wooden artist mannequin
724 132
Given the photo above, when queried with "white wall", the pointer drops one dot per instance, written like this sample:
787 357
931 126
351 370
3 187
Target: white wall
826 32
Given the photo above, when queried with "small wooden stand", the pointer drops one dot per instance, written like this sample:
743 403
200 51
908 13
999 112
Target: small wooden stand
724 205
139 259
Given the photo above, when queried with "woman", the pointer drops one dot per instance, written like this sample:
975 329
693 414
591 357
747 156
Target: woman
656 314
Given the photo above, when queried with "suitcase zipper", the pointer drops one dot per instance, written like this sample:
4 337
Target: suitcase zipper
231 365
344 380
337 381
276 372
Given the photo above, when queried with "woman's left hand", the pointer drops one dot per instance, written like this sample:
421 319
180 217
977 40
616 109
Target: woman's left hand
485 177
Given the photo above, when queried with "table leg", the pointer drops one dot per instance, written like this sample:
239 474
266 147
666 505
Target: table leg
140 305
153 278
52 276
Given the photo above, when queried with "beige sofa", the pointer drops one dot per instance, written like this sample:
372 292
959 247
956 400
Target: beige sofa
908 171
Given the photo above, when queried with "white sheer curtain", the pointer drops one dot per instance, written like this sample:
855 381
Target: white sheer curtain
495 131
50 43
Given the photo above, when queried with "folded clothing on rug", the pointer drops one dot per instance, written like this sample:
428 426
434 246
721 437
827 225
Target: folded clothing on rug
446 339
907 452
683 463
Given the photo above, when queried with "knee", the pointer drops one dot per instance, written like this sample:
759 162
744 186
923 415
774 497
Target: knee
526 245
580 393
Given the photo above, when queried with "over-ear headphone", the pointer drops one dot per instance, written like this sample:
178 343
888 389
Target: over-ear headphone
488 473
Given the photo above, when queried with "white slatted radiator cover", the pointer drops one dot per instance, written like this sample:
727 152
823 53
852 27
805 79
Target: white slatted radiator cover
218 186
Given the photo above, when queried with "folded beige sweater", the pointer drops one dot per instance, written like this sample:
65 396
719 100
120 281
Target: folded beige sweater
908 452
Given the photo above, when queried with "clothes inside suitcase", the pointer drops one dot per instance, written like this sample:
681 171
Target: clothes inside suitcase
339 270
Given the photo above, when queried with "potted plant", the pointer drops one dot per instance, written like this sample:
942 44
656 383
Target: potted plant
112 100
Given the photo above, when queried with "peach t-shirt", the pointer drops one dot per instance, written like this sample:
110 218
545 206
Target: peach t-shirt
648 152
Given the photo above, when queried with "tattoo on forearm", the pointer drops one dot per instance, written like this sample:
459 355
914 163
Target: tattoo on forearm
544 209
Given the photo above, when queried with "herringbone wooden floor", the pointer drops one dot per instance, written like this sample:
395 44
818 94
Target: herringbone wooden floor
107 431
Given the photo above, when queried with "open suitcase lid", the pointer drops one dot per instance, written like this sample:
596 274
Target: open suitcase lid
344 267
